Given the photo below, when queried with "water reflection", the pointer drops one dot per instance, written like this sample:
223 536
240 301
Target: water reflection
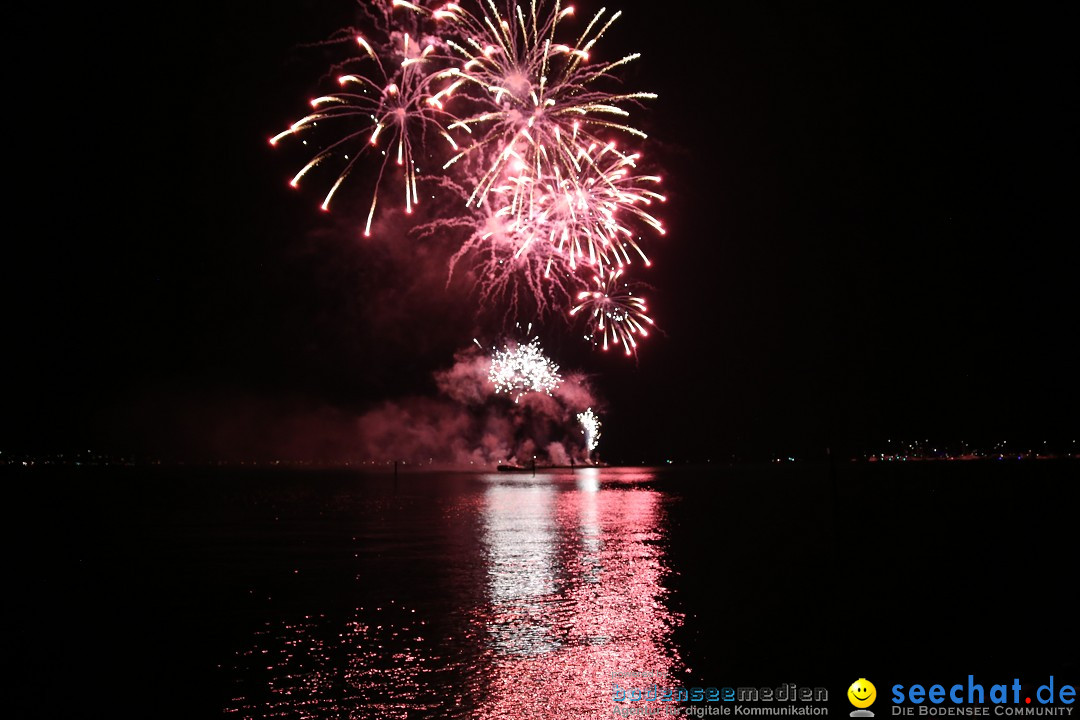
519 538
558 597
597 614
382 663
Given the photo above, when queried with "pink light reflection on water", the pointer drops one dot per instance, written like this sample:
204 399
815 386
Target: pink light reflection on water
561 597
577 602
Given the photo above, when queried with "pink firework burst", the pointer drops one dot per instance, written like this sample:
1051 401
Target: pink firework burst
614 313
391 109
591 218
539 99
549 209
526 279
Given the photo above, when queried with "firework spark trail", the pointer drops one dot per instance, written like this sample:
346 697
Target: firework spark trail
590 428
539 103
392 108
531 282
614 313
518 369
545 198
589 219
551 196
590 228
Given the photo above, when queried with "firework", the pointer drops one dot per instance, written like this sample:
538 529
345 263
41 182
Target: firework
388 109
614 313
589 219
589 225
540 101
544 197
590 428
518 369
524 281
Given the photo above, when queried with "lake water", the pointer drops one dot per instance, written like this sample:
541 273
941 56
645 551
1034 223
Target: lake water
285 593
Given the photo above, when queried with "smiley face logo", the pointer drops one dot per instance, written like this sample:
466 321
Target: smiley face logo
862 693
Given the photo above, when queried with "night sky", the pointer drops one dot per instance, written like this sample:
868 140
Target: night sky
871 235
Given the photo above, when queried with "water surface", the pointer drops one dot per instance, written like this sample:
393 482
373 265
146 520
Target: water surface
258 593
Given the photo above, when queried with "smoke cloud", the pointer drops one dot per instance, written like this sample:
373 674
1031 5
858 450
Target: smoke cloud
469 424
463 423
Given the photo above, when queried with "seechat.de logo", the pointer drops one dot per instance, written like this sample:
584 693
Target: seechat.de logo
862 694
973 698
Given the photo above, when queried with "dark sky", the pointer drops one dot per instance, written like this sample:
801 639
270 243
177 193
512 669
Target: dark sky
872 229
